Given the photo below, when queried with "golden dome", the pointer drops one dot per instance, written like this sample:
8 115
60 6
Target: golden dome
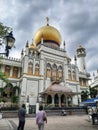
48 33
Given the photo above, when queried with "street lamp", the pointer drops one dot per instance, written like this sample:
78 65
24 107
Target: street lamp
9 43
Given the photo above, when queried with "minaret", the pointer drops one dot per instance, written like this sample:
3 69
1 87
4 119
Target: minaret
81 53
22 54
75 59
26 50
64 44
47 21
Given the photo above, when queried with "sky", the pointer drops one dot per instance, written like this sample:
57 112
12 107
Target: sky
76 20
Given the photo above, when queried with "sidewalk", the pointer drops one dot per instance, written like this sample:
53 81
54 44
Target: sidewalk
5 125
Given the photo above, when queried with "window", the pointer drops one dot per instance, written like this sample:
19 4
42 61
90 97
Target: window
37 69
48 70
74 75
30 68
7 70
54 71
60 72
15 72
80 80
69 75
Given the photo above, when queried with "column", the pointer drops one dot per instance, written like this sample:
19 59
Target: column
66 101
46 99
72 101
52 100
3 68
34 66
41 67
19 72
59 100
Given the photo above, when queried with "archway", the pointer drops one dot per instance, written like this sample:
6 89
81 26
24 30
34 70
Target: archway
8 90
56 100
49 99
62 100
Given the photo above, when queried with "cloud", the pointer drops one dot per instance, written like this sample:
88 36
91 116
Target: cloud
76 20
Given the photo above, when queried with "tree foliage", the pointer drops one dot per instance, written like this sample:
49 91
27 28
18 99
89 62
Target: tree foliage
4 30
3 77
84 95
93 92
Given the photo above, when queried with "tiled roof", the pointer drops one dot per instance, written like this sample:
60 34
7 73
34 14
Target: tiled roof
58 88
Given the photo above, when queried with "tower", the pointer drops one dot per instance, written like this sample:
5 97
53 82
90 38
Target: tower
81 53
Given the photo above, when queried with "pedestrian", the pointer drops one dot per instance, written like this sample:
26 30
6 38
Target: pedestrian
21 116
90 112
41 117
63 112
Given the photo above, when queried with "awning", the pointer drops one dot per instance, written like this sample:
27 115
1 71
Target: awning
89 102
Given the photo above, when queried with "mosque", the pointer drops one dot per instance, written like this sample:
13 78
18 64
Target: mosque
44 73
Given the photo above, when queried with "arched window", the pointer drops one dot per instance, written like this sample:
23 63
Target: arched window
74 75
37 69
48 70
7 70
15 72
49 99
80 80
60 72
54 71
56 100
30 68
8 90
84 82
63 100
69 75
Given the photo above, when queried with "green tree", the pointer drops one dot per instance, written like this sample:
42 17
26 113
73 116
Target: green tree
15 99
84 95
93 92
4 30
3 77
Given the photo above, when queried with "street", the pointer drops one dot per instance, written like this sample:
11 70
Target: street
72 122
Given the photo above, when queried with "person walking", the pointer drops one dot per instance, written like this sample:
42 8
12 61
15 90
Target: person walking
41 117
21 116
90 112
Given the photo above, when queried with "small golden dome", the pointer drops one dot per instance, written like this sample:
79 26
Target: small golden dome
48 33
32 46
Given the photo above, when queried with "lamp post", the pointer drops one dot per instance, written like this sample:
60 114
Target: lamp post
9 43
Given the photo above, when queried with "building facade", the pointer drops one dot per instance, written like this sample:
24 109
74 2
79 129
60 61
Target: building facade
45 70
94 83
